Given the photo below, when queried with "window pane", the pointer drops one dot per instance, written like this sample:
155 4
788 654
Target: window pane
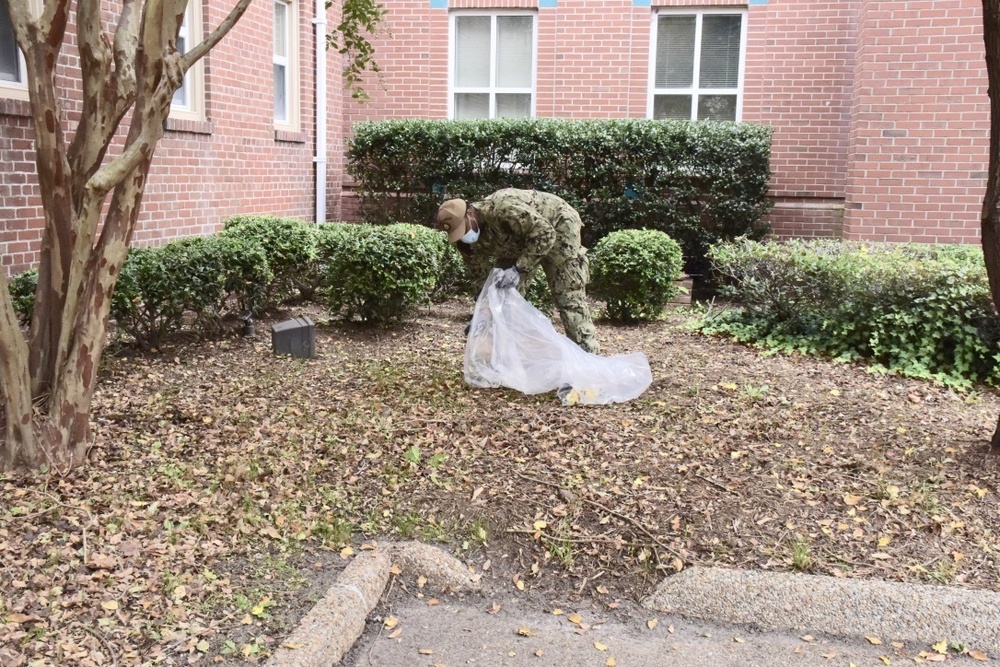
675 51
10 66
280 94
180 95
717 107
472 51
280 30
469 106
720 51
672 107
513 106
514 47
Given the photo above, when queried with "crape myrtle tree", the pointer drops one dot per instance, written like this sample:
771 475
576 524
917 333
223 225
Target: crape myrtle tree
991 202
91 197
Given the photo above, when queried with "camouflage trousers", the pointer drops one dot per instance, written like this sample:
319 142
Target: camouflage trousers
568 280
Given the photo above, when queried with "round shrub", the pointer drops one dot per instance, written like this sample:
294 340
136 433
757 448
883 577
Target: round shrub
452 276
633 272
290 247
379 274
22 288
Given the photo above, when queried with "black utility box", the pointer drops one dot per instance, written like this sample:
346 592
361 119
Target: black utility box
296 337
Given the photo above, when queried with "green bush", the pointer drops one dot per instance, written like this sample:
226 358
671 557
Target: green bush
290 248
22 288
206 277
634 273
700 183
452 276
922 311
379 274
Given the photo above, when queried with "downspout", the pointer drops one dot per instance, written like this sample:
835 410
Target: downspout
320 158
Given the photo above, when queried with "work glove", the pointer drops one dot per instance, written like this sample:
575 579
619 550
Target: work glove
509 278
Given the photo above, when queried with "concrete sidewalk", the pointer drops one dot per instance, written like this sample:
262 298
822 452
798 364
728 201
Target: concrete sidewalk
700 617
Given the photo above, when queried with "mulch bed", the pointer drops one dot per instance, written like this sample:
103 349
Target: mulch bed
227 487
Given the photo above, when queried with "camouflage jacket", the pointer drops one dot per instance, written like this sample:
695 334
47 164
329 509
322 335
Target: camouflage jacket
522 228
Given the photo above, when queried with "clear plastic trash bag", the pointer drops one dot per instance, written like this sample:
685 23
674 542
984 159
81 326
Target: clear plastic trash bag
513 344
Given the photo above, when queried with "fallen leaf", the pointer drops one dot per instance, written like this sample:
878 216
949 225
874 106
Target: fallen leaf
432 602
292 645
611 662
575 618
390 622
346 552
494 608
651 623
874 640
557 612
806 638
739 640
852 500
978 655
525 631
941 646
110 605
600 647
425 651
395 633
539 653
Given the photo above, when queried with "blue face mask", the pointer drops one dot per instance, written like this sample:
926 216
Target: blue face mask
471 236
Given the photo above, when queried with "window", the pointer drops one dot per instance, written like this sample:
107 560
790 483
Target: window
189 99
492 66
285 78
698 65
12 76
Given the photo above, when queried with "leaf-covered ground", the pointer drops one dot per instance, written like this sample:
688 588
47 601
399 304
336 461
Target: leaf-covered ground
227 487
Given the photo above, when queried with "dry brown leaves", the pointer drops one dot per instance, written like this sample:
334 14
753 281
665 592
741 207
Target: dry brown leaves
225 484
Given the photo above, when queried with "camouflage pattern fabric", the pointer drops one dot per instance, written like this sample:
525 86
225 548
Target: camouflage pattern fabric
528 229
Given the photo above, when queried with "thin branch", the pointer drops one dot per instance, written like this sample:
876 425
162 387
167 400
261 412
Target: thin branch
195 54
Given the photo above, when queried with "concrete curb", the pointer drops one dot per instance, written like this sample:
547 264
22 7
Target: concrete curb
331 628
850 608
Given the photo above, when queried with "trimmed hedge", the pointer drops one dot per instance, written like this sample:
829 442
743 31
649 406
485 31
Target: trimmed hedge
380 274
634 273
202 276
922 311
22 288
700 183
290 248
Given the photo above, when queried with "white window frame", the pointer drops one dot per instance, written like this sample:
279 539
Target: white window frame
16 90
695 91
291 64
194 79
492 89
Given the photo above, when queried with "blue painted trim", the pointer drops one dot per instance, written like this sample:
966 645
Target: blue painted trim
642 3
547 4
758 2
439 4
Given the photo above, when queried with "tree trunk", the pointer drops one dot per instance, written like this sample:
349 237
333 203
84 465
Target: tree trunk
991 202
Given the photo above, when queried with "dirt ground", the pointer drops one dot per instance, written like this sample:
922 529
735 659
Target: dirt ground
227 487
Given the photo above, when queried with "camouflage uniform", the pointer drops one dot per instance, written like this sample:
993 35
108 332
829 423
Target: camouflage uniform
528 229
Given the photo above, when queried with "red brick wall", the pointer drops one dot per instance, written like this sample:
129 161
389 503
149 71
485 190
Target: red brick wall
920 137
593 62
203 173
799 71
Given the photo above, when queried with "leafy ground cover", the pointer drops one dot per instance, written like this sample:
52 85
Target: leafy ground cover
228 487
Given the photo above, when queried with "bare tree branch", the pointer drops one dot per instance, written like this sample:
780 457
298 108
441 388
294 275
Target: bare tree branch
195 54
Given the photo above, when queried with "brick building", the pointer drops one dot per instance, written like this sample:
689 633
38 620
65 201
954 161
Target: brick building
879 107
